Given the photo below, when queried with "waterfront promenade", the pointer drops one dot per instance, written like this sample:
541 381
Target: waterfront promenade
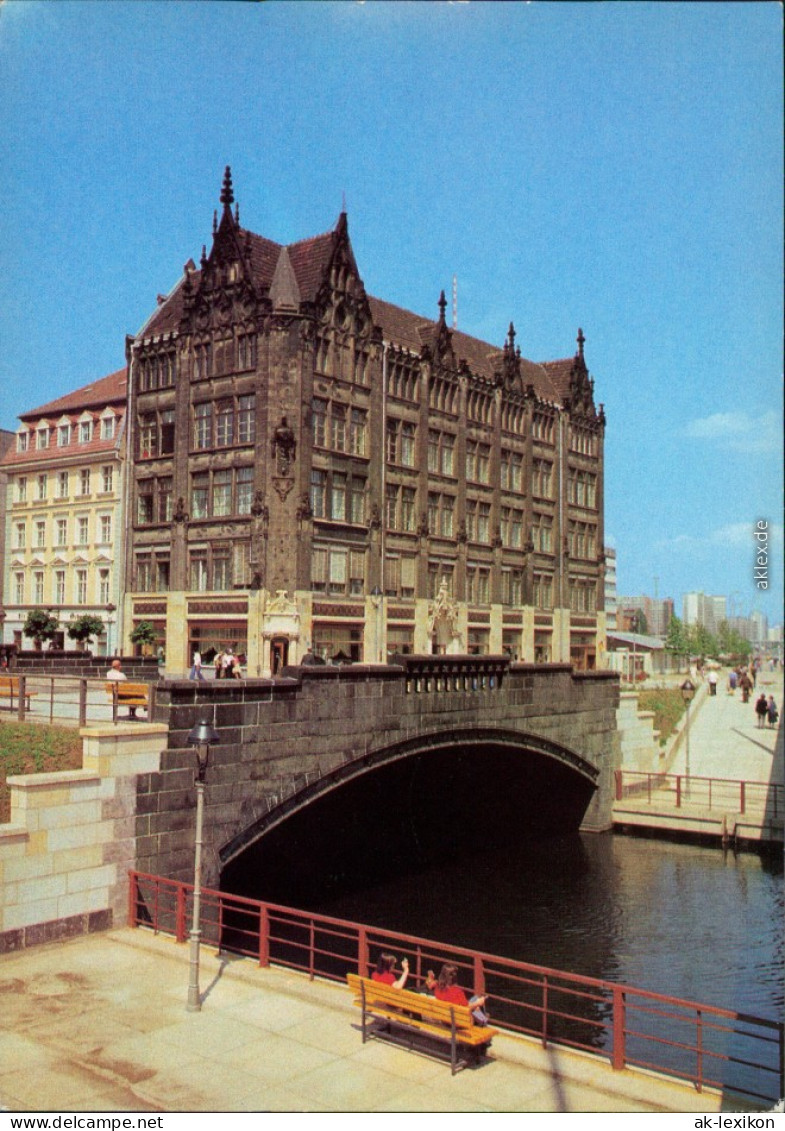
723 779
99 1023
725 740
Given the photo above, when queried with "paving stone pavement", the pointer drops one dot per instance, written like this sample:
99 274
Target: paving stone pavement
98 1024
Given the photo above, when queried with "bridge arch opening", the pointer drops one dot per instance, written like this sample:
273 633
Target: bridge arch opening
404 808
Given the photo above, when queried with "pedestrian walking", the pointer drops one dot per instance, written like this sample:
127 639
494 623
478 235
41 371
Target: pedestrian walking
771 711
761 709
712 678
745 683
196 667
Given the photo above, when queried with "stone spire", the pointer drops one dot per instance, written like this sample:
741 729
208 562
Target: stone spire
227 194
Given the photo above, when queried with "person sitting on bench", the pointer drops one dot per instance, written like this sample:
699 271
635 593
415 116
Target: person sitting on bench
116 673
447 989
384 971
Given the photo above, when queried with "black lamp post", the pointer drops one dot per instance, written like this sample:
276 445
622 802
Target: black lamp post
200 737
688 694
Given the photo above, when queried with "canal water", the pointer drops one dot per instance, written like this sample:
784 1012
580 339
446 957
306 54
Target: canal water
685 920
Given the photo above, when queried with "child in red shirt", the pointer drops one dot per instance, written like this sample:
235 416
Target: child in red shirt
446 989
384 971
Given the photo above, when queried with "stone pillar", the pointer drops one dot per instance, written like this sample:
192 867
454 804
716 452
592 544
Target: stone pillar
177 657
527 649
496 634
422 640
255 660
561 636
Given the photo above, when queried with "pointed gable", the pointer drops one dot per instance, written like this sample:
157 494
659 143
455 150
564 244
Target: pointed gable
284 291
310 260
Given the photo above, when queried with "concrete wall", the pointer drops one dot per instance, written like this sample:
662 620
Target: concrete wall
65 855
279 737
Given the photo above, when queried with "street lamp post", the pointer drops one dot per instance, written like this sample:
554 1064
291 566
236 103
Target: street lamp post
687 693
200 737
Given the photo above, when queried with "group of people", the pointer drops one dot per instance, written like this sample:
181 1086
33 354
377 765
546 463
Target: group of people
443 988
766 710
744 679
227 665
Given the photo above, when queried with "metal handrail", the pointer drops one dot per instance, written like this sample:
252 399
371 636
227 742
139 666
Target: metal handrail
711 790
67 700
684 1039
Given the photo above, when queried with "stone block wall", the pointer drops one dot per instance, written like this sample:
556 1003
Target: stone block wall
278 737
66 853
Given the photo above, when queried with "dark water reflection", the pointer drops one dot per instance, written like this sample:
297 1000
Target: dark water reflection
690 921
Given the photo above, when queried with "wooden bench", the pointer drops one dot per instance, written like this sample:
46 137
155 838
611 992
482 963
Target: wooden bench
410 1012
128 694
9 687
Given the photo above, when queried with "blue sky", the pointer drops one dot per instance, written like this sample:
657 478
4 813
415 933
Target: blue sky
614 166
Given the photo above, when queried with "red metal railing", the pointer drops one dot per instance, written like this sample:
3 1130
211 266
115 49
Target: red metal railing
729 794
703 1044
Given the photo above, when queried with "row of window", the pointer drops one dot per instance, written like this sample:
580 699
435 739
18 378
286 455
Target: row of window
225 423
333 359
224 355
60 532
220 567
582 488
156 371
214 494
583 539
62 482
583 442
75 587
335 571
338 496
81 431
402 381
338 427
222 423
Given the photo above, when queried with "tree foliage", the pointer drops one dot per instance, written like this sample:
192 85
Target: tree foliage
143 634
85 626
677 637
40 625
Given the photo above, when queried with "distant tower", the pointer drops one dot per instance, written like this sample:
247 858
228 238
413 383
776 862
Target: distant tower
455 302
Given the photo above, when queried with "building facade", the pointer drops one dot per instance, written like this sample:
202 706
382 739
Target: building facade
704 609
657 613
315 469
611 593
64 532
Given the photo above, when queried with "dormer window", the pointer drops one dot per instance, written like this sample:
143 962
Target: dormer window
22 441
42 439
85 431
63 435
107 428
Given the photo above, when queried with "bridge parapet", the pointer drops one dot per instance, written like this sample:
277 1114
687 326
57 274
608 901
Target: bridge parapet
452 673
322 724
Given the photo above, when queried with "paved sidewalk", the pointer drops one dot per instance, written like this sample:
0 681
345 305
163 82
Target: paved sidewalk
99 1024
725 740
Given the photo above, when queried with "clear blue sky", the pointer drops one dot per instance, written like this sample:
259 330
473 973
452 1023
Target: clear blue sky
615 166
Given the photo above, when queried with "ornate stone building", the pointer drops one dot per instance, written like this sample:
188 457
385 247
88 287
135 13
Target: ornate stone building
317 469
64 526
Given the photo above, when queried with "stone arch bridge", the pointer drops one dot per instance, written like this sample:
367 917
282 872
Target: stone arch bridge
288 743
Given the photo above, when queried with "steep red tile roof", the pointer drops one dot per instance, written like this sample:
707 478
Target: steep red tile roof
97 394
559 374
107 391
405 329
309 260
